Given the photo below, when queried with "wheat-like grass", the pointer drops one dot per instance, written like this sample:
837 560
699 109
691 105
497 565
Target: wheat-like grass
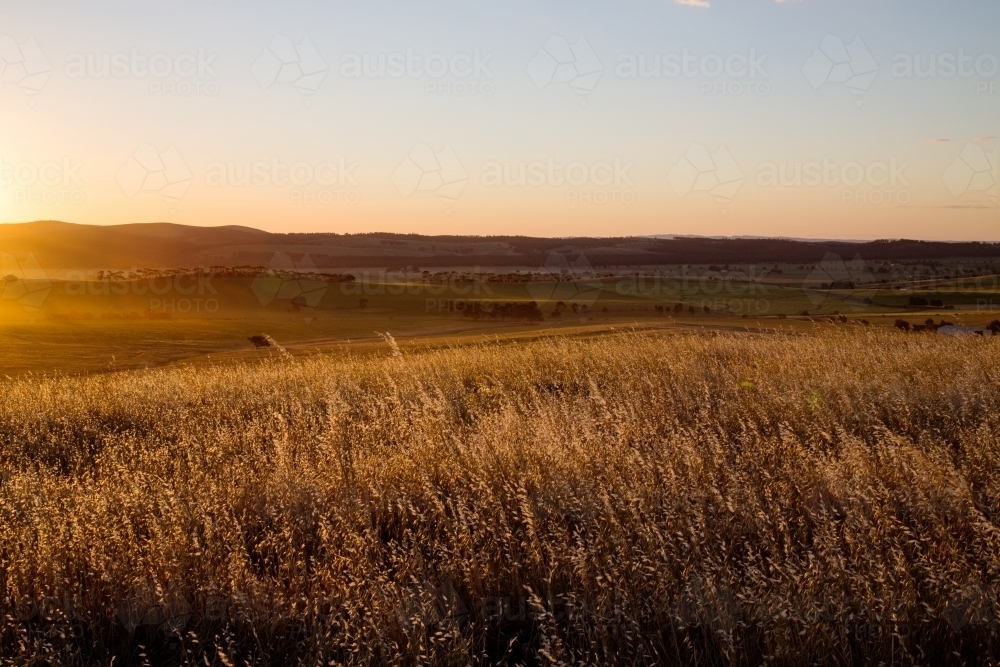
631 499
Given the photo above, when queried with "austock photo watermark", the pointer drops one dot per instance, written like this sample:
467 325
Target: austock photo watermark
397 282
442 173
449 293
739 290
713 172
287 279
718 174
851 284
600 182
838 62
296 61
975 173
300 64
164 292
186 74
427 170
732 75
152 171
702 170
324 182
561 63
293 63
51 181
23 64
458 74
23 281
568 278
875 183
979 69
850 63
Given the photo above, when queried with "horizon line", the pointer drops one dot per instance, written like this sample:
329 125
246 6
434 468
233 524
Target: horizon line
661 236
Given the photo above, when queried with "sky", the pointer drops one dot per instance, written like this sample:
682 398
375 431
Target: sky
853 119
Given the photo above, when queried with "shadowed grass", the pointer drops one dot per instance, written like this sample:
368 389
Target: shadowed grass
635 498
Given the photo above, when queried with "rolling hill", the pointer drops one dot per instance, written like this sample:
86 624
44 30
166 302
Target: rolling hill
61 245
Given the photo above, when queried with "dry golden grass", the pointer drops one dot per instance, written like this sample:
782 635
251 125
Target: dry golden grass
633 499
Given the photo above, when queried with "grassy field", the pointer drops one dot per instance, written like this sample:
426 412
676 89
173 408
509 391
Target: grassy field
80 326
826 496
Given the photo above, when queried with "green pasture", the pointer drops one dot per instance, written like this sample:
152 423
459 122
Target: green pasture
90 325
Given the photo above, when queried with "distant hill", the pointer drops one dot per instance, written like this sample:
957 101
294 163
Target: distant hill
62 245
